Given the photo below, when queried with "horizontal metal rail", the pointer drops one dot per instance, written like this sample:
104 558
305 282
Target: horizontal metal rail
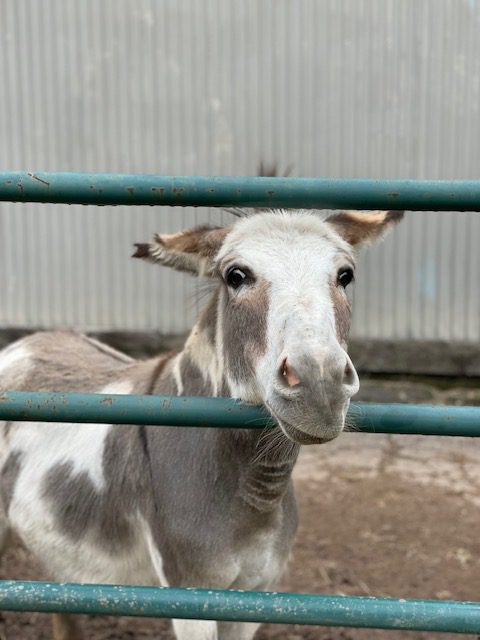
200 191
244 606
225 412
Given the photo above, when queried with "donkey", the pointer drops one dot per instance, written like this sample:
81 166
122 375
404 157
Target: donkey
181 506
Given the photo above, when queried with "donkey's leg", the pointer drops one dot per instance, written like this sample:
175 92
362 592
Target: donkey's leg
209 630
195 629
65 627
8 473
237 630
4 530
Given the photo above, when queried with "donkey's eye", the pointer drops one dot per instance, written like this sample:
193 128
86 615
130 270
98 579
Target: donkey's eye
236 277
344 277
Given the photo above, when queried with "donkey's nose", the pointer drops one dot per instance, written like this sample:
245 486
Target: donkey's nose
349 374
288 375
332 371
350 377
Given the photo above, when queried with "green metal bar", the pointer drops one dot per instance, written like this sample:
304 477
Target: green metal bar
427 420
244 606
123 409
95 188
225 412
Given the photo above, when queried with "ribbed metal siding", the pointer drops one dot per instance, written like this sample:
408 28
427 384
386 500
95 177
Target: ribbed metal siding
340 88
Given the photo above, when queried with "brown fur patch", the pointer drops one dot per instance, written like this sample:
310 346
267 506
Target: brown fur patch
204 240
244 330
157 372
10 471
165 384
358 227
142 250
343 312
66 626
207 322
193 381
188 250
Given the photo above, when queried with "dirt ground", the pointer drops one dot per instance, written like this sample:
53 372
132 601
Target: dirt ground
380 515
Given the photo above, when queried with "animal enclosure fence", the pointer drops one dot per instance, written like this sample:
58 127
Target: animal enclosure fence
354 611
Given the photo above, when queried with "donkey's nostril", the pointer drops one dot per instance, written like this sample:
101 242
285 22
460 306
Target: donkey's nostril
349 374
288 374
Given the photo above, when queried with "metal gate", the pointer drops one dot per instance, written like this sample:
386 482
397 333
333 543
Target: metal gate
215 604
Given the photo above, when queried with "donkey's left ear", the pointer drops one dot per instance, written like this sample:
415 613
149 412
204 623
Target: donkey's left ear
192 251
360 228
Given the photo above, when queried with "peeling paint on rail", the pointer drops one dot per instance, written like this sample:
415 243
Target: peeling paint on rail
245 606
225 412
222 191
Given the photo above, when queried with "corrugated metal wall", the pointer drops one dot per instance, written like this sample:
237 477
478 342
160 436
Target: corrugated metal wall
338 88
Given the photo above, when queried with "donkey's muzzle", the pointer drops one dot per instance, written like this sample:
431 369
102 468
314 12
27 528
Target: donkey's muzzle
311 395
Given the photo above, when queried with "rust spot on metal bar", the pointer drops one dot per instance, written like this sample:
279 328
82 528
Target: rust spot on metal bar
393 194
131 189
20 186
34 177
270 194
107 401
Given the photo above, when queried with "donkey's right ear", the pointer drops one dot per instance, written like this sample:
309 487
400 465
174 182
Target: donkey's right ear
192 251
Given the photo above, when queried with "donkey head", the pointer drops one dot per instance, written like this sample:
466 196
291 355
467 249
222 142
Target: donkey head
282 314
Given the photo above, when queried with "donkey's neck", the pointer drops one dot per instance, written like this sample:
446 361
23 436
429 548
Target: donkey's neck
263 460
199 368
266 474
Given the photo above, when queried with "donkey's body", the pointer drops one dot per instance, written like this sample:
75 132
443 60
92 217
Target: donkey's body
140 505
183 506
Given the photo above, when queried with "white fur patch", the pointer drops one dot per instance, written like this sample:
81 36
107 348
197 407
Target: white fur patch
264 231
82 560
155 557
121 387
44 446
177 374
195 629
13 355
203 354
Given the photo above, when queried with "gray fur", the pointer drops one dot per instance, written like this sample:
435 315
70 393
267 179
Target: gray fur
64 361
244 329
